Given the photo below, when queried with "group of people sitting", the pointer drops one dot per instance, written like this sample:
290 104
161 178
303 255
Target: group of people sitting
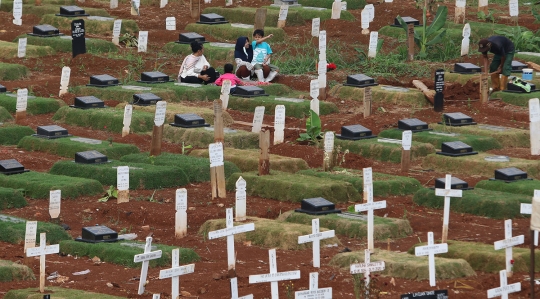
252 60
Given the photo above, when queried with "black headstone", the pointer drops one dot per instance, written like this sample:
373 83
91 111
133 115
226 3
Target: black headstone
466 68
88 102
438 103
48 296
98 234
457 119
413 124
212 19
3 88
188 120
317 206
360 80
90 157
45 30
515 88
518 66
455 183
355 132
78 42
456 149
407 20
438 294
103 81
71 11
249 91
189 37
154 77
52 131
510 174
11 166
145 99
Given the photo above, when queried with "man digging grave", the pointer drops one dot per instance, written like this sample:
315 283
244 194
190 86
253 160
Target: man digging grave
503 48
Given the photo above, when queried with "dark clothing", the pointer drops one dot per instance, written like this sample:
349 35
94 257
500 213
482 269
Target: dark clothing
501 45
245 54
212 75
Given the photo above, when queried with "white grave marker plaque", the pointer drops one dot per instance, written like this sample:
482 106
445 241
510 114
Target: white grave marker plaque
336 10
314 104
21 50
322 80
314 89
514 8
22 99
343 6
364 21
113 4
128 112
161 109
30 235
241 199
64 80
55 198
279 124
17 12
142 42
373 40
170 23
315 26
322 42
180 228
466 39
215 151
122 178
329 142
406 140
163 3
117 26
258 117
283 11
371 10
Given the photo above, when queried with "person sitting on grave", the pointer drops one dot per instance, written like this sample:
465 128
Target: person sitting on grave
195 68
243 55
229 76
503 48
261 56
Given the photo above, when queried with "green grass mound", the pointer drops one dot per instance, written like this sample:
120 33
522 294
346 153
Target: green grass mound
248 160
294 187
119 93
56 292
528 58
403 265
35 105
241 14
383 184
354 228
11 135
351 4
11 198
197 169
178 108
141 176
10 50
518 99
381 95
59 44
227 33
461 78
107 119
119 254
507 137
54 9
38 184
400 34
66 147
310 14
7 5
11 71
483 257
4 115
91 26
476 165
292 109
478 143
270 233
13 230
525 187
10 271
482 202
210 52
382 151
201 137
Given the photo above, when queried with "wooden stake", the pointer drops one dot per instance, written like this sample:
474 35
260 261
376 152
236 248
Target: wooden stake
281 23
484 85
157 136
483 6
195 6
367 101
534 66
410 43
264 158
123 196
405 160
218 121
20 116
430 94
260 18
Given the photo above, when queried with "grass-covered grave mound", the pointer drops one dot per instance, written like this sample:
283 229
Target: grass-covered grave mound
298 109
121 254
107 119
58 292
10 50
35 105
11 271
91 26
228 33
382 95
248 160
518 99
309 14
383 184
123 93
178 108
210 52
7 5
351 4
202 137
525 187
478 143
507 137
141 176
4 115
53 9
403 265
38 184
11 71
354 228
11 198
477 165
270 233
285 186
197 169
383 151
482 202
13 230
241 14
484 257
61 44
12 134
68 147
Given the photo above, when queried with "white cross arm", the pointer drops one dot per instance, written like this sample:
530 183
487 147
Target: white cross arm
370 206
367 267
250 296
231 231
509 242
449 192
431 249
325 293
511 288
270 277
37 251
173 272
147 256
318 236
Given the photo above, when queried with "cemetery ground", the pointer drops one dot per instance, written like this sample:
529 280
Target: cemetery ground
151 212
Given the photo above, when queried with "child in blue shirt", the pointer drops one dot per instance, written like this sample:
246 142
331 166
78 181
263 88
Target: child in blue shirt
261 56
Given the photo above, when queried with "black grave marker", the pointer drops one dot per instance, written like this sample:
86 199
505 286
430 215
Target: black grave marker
456 149
11 166
249 91
154 77
517 66
51 132
457 119
145 99
103 81
88 102
48 296
438 103
90 157
510 174
45 30
317 206
438 294
455 183
413 124
360 80
188 120
78 42
407 20
98 234
212 19
466 68
3 88
189 37
355 132
72 11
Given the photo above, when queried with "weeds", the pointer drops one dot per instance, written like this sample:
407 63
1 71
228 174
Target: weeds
366 290
524 40
289 289
483 17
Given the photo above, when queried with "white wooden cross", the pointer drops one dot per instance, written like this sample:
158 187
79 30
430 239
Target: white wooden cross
316 237
180 227
508 243
229 232
526 208
447 192
145 258
367 267
505 288
274 276
234 290
314 292
430 250
42 251
175 272
369 206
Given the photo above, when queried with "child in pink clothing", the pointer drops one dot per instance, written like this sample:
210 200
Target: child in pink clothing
229 76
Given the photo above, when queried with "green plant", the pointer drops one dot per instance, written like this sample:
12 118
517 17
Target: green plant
185 147
111 192
524 40
289 289
128 40
535 15
421 38
363 290
489 17
313 128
